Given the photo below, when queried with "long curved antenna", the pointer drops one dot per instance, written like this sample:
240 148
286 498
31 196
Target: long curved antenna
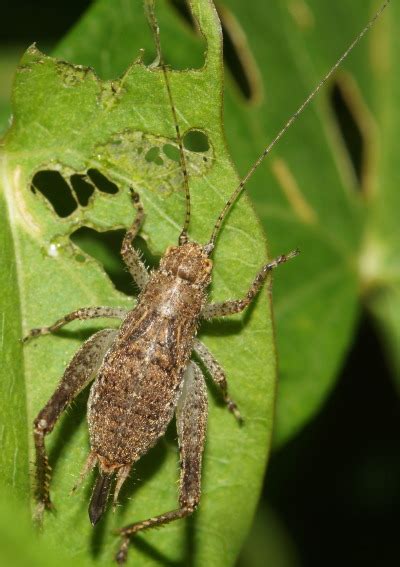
183 237
236 194
151 16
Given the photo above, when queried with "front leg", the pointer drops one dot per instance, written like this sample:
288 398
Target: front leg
236 306
81 314
191 421
80 371
129 255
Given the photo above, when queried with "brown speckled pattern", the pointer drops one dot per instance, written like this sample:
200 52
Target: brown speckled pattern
138 386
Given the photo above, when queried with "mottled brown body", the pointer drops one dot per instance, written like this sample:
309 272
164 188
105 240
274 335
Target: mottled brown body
140 381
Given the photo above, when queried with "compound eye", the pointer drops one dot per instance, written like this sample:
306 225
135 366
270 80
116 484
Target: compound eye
208 266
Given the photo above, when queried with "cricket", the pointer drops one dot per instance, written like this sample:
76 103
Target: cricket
143 374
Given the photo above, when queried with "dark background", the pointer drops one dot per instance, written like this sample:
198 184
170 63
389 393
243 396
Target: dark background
334 488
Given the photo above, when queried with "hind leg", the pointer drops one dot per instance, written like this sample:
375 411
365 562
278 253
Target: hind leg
80 371
191 419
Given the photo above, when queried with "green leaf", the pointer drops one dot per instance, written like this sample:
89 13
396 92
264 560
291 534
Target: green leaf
381 253
269 542
9 57
19 545
307 193
69 121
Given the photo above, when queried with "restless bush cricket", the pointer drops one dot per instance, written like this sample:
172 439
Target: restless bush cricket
143 373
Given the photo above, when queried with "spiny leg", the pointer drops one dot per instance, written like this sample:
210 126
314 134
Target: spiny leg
217 373
230 307
129 255
191 420
81 314
82 368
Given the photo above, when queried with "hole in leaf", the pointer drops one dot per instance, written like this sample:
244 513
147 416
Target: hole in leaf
349 128
196 141
238 57
105 247
102 183
183 10
56 190
153 156
172 152
83 190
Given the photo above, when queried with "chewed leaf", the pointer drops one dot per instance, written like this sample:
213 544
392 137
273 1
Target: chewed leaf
150 161
76 146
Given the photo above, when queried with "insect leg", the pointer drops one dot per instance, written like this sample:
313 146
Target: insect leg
82 314
191 420
217 373
129 255
79 372
236 306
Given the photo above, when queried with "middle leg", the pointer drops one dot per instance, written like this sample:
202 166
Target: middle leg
217 373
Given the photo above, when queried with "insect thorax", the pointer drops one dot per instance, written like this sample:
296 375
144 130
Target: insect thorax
189 262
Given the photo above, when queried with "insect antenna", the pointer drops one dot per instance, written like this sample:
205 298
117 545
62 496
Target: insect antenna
239 189
159 62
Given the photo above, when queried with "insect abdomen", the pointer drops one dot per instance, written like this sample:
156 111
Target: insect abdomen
139 383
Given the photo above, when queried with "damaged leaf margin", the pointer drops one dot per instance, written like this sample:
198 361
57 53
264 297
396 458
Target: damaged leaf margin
63 114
